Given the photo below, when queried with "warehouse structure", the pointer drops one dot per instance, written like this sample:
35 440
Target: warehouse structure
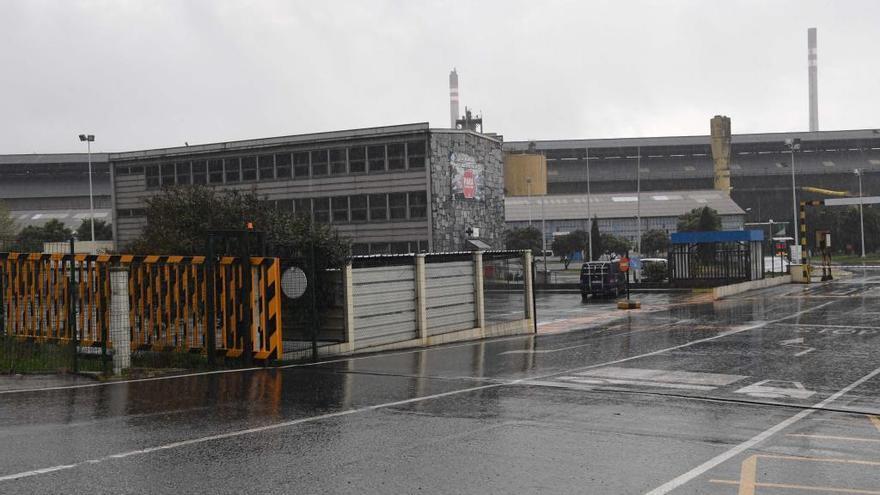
396 189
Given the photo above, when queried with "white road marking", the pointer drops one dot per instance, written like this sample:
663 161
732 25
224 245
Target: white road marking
798 344
664 376
760 437
615 381
769 389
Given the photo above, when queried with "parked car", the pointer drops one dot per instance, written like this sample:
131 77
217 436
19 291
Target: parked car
602 278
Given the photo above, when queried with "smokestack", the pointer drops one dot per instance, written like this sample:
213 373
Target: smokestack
719 128
814 85
453 98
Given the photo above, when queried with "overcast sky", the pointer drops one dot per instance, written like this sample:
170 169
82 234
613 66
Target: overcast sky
148 74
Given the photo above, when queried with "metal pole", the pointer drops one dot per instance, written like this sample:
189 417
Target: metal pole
589 216
861 215
639 199
91 197
794 208
529 197
71 313
544 240
210 314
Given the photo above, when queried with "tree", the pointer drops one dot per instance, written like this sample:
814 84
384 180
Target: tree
523 238
8 228
103 230
615 244
655 241
32 237
569 244
699 219
596 238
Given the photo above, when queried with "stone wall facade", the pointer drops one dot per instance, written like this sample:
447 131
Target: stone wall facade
467 189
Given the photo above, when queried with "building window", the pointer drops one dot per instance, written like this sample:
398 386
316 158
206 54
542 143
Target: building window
380 248
418 204
422 246
249 168
215 171
339 207
378 208
415 154
337 161
282 165
358 208
319 163
400 248
301 164
360 249
303 207
183 173
376 158
322 210
168 174
233 170
396 156
357 160
267 167
199 168
152 173
285 205
397 205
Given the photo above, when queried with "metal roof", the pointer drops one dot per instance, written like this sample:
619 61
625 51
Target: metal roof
274 141
618 205
70 218
51 158
717 236
700 140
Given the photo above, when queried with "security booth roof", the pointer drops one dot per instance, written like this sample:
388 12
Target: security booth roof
718 236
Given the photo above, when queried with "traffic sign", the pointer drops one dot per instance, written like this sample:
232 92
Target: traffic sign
624 264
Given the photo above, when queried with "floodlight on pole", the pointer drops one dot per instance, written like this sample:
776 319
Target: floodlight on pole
794 145
89 139
859 173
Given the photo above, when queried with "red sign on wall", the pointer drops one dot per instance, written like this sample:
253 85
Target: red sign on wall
468 184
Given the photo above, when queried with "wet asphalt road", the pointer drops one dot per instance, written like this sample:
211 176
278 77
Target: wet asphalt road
773 392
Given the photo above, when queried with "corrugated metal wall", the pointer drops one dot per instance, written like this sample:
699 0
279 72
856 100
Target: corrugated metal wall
384 304
450 296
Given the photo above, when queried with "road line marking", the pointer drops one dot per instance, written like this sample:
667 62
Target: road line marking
875 420
819 459
800 487
811 349
863 327
760 437
833 437
642 383
285 424
748 475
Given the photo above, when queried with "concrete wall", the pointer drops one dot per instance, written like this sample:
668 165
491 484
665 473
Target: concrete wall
451 212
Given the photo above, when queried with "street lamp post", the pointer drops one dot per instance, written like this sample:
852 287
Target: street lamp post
589 216
794 145
89 139
639 200
859 173
529 197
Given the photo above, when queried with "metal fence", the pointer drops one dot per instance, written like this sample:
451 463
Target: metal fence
504 287
714 263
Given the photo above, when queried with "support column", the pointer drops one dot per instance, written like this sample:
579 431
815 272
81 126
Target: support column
348 306
528 285
479 303
120 325
421 298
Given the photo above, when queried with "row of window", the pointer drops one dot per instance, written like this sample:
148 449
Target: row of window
297 165
357 208
404 247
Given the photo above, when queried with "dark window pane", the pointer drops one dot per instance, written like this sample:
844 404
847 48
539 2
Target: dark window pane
233 169
303 207
396 156
378 207
199 169
358 208
339 205
168 174
301 164
357 157
360 249
415 153
322 209
152 173
337 161
285 205
249 168
215 171
397 202
380 248
400 248
376 156
267 167
418 204
319 162
282 165
423 246
183 173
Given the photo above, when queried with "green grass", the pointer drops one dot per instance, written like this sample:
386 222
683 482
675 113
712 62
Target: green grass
27 356
855 259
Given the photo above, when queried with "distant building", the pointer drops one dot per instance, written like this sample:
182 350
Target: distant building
395 189
616 212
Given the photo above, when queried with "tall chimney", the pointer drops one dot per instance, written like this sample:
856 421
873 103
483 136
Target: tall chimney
814 85
720 140
453 98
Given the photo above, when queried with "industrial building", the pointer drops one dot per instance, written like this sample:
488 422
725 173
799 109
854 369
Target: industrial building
395 189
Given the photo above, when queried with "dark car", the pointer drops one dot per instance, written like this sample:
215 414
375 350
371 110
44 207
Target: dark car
602 279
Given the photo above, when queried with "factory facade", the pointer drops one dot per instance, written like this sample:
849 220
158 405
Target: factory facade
395 189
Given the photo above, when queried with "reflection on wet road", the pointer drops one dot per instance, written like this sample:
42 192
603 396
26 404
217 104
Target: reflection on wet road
771 392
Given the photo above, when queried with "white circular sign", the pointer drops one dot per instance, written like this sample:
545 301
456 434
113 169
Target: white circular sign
294 282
